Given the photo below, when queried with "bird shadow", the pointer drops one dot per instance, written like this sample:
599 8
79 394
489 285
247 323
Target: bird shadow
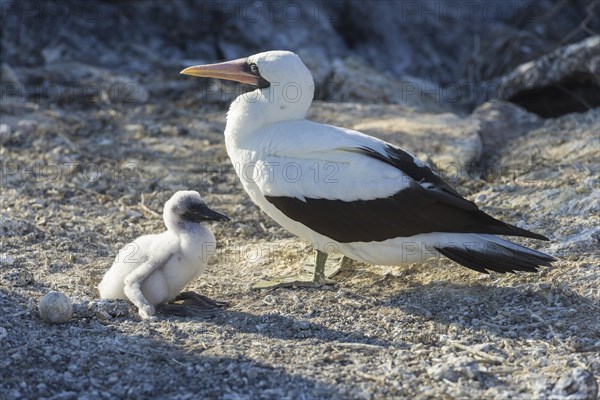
277 326
552 313
148 366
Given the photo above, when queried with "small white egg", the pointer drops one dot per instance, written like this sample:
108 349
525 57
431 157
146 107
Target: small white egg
55 308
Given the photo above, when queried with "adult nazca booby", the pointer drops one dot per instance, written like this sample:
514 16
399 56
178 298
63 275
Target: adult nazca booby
345 191
153 269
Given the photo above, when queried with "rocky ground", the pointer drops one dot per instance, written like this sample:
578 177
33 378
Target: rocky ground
91 151
80 182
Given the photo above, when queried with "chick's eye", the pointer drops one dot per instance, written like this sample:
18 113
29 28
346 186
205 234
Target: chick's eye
254 68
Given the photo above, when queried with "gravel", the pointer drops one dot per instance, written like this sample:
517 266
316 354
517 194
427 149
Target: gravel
78 183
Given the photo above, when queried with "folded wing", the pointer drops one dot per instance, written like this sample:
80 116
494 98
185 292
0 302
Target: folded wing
378 192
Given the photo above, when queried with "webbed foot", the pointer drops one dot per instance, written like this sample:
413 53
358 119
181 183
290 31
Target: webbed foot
318 274
188 304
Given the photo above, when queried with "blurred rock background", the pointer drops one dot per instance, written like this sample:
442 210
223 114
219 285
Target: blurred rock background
435 52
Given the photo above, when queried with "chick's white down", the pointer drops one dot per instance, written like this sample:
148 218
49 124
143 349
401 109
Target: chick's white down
153 269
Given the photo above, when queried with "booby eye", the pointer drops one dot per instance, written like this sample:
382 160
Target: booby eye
252 69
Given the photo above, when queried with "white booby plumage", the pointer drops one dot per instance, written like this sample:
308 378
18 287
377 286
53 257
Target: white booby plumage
345 191
153 269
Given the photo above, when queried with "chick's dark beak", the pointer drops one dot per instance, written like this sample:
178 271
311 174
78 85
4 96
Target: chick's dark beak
201 212
236 70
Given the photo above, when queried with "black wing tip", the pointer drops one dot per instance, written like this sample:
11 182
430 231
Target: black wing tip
538 236
511 230
497 258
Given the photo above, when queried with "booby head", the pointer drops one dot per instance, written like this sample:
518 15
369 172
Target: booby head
187 207
284 86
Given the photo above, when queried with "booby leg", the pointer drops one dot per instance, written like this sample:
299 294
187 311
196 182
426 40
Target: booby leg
335 263
317 278
133 287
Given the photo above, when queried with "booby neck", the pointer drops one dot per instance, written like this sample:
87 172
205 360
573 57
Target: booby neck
182 228
253 110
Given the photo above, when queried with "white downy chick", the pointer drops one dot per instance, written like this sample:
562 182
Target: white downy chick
153 269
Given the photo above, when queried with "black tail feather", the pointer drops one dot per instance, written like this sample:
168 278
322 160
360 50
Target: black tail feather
498 258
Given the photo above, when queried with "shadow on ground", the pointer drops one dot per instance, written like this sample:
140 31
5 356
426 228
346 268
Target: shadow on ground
511 312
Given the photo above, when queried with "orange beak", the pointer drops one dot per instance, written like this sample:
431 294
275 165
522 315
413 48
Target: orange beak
235 70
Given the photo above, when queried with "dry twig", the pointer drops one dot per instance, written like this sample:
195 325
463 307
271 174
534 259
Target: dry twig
146 208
